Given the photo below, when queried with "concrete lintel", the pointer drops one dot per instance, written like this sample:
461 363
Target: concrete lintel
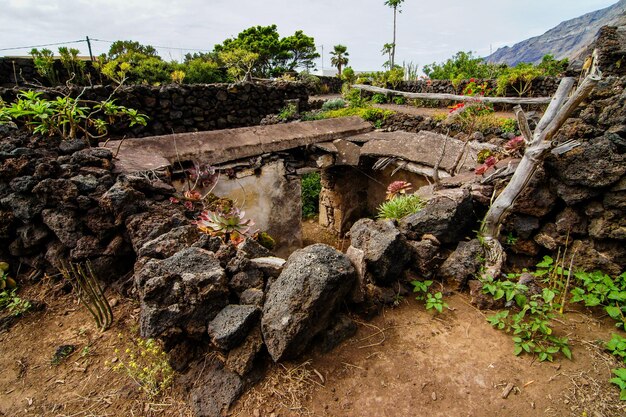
219 146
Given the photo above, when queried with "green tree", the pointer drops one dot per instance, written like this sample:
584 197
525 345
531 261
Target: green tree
462 65
299 51
395 5
121 48
387 50
339 57
275 54
239 62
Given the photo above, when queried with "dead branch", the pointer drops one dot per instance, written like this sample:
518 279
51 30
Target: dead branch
454 97
559 110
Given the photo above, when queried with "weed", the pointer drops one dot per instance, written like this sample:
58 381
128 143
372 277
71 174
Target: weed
617 346
13 303
400 207
531 329
400 100
145 363
599 289
620 381
289 112
435 301
432 301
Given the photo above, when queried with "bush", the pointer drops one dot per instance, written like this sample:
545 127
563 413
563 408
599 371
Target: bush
334 104
311 187
379 98
200 71
400 206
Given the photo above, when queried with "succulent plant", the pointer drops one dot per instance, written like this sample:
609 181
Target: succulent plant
229 225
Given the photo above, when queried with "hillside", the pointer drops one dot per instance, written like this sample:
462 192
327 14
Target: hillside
567 40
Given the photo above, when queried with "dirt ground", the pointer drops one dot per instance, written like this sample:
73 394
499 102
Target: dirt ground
405 362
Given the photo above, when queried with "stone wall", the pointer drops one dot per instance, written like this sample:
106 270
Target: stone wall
541 86
21 71
190 108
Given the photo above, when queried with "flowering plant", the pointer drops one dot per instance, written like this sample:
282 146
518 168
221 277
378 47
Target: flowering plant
396 188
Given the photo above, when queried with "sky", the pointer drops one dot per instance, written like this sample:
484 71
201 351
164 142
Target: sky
428 31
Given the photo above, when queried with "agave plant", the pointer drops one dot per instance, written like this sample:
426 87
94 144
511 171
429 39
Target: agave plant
231 225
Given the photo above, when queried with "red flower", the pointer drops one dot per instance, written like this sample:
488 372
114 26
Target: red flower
491 161
174 200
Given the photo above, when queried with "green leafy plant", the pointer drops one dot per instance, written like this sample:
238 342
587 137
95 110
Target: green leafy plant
311 187
74 66
66 116
531 328
400 100
435 301
617 346
145 362
379 98
620 381
506 289
6 282
15 305
401 206
44 64
599 289
520 79
289 112
432 300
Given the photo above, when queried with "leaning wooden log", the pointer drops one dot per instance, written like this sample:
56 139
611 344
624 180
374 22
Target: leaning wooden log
454 97
560 108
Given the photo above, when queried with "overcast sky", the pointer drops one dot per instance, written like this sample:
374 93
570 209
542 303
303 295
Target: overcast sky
428 31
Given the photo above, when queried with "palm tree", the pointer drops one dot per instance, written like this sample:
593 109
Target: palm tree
394 4
339 58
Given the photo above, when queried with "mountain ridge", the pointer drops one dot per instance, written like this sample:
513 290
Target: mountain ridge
569 39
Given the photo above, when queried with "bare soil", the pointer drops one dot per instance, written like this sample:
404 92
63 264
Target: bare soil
405 362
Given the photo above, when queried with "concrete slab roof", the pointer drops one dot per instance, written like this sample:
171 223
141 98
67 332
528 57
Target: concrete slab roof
423 148
218 146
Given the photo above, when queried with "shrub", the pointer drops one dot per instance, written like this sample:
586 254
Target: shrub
200 71
400 207
311 187
288 112
334 104
379 98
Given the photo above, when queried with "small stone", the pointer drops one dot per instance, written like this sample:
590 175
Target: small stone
434 396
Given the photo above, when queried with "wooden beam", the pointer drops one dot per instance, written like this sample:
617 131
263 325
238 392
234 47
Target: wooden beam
454 97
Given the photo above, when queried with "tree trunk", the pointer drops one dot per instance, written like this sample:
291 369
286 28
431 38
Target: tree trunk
560 108
393 48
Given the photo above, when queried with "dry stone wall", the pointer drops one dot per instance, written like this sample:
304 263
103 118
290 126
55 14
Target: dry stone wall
189 108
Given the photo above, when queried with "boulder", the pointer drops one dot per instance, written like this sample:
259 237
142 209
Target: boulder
301 301
122 201
231 325
214 390
426 257
185 291
243 280
385 250
448 215
596 163
462 264
171 242
64 224
160 219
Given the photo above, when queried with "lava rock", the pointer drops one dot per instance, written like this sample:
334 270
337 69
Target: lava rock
253 249
215 389
171 242
230 327
250 278
64 224
448 216
241 359
122 200
252 296
186 291
160 219
462 264
24 207
301 301
385 250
